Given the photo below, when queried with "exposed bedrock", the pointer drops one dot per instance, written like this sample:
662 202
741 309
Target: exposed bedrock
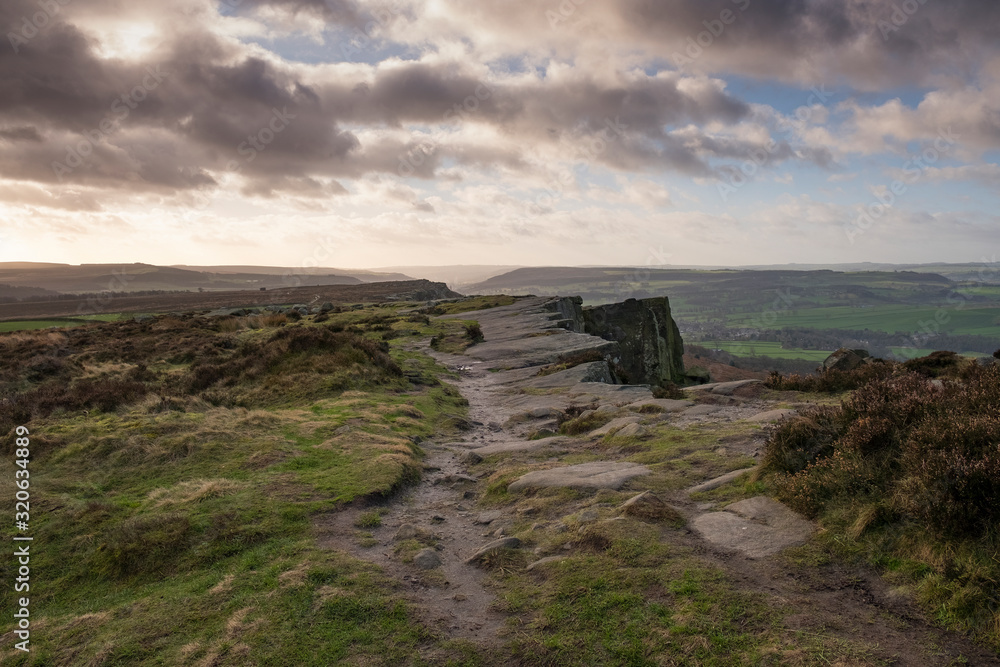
648 346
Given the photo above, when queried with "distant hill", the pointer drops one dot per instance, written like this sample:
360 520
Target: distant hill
86 278
459 275
364 275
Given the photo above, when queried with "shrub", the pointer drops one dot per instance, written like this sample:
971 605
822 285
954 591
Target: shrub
930 454
942 362
803 440
474 333
831 381
668 390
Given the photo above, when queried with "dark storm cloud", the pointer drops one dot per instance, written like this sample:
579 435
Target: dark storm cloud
221 107
24 133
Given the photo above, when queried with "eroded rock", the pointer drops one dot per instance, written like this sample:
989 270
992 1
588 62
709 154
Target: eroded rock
584 476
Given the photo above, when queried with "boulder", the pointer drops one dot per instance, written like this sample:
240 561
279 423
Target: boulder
649 343
427 559
845 359
405 532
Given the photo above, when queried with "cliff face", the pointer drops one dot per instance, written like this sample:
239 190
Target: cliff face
649 346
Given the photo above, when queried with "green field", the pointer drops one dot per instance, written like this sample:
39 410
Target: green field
744 348
25 325
890 319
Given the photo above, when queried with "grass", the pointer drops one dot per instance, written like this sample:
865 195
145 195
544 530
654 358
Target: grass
983 321
766 349
176 520
28 325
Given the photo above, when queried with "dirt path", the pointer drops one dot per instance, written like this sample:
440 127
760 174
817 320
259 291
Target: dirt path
835 602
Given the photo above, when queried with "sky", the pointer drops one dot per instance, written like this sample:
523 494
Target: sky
360 133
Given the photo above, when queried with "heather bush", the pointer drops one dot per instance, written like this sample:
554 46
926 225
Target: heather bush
803 440
935 364
831 381
929 452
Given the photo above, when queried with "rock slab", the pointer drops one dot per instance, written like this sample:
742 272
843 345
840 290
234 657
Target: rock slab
584 476
757 527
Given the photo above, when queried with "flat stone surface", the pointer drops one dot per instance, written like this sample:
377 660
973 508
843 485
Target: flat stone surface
592 371
584 476
725 388
701 410
772 415
757 527
666 404
556 443
718 481
614 425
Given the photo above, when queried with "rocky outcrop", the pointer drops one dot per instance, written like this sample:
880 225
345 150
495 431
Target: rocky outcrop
649 349
648 339
845 360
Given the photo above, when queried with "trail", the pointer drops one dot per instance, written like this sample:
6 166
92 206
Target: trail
508 401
